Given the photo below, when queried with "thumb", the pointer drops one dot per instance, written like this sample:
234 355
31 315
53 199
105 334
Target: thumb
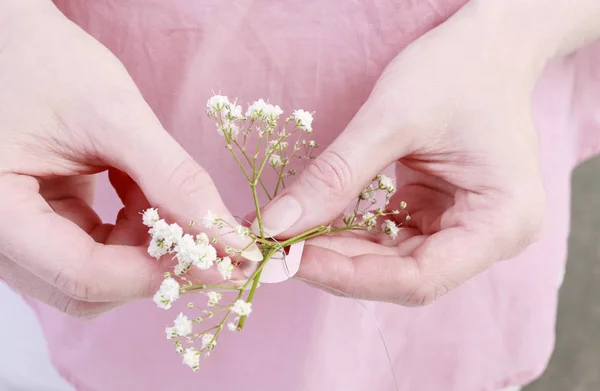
171 179
334 179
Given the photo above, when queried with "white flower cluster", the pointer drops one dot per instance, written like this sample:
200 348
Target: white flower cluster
189 251
229 118
367 220
194 251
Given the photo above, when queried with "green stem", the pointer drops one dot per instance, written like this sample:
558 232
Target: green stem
262 184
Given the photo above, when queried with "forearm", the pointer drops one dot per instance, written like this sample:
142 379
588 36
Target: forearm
529 33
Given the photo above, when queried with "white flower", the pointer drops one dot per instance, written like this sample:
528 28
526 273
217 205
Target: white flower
368 193
167 293
209 220
261 110
304 120
312 144
349 218
242 231
275 161
156 249
241 307
217 103
180 269
235 112
202 238
191 358
187 250
160 229
207 341
228 128
386 183
213 298
171 333
369 219
225 268
150 217
165 235
183 325
390 228
231 326
208 257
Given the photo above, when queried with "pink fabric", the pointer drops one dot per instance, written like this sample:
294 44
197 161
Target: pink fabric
497 330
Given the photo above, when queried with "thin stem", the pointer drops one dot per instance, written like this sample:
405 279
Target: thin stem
262 184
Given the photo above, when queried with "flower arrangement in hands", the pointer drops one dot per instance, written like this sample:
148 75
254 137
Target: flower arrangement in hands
228 305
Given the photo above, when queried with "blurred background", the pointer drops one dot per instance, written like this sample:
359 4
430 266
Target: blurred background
575 365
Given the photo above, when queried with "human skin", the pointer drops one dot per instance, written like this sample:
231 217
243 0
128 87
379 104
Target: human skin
452 112
69 109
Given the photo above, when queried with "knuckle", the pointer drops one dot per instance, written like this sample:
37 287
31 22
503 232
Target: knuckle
424 295
330 173
190 179
74 283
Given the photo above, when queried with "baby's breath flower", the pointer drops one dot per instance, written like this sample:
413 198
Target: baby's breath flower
156 249
202 238
349 218
241 307
368 193
178 347
386 183
275 161
171 333
231 326
183 325
390 228
150 217
191 358
242 231
261 110
167 293
402 204
208 341
396 212
368 219
304 120
213 298
228 128
208 258
225 268
312 144
209 220
192 252
217 103
164 236
235 112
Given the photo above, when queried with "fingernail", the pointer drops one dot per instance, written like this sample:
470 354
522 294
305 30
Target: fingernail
253 253
279 216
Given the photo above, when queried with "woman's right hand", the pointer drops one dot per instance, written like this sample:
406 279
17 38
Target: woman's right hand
69 109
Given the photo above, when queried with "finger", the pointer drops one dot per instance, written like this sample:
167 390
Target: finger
27 283
417 275
169 177
333 179
59 252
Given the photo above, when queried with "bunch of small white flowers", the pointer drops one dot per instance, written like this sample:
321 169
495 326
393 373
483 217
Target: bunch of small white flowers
363 218
273 147
258 139
197 251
